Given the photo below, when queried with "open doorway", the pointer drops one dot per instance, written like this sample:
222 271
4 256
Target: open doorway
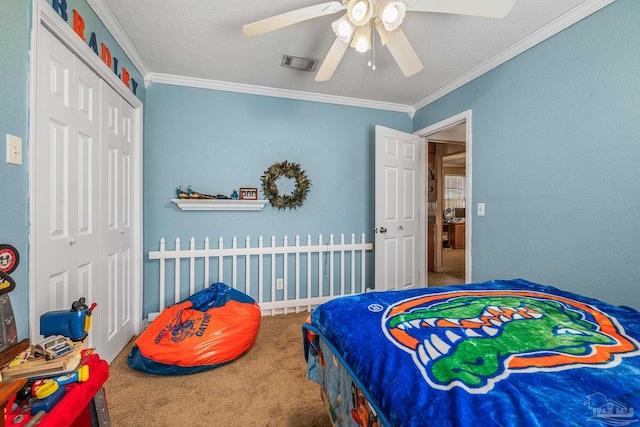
449 200
451 207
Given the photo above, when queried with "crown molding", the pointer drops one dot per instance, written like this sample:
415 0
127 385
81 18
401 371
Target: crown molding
569 18
274 92
562 22
111 22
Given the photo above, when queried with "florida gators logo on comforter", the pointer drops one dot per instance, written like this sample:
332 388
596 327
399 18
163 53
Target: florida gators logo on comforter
473 339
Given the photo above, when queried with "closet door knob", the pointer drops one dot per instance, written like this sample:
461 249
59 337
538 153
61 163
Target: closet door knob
72 241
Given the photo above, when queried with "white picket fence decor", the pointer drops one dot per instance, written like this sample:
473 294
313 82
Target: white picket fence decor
265 272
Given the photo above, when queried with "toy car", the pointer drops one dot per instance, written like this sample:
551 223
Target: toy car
54 346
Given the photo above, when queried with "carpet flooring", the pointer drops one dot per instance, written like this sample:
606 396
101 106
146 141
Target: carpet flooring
265 387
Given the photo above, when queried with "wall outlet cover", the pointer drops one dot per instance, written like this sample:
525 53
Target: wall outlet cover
14 150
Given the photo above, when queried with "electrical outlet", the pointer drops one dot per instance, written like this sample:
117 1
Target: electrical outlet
279 284
14 150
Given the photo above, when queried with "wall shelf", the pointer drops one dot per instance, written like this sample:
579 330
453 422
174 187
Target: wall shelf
220 204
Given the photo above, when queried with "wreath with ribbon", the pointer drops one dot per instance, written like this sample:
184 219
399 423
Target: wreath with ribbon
288 170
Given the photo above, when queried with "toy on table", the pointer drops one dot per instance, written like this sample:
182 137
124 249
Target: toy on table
53 347
20 413
47 396
80 375
74 324
39 397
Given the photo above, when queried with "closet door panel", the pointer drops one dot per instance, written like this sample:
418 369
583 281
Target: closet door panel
117 234
65 184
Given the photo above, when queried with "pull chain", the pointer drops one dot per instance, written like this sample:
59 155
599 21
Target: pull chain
373 47
370 47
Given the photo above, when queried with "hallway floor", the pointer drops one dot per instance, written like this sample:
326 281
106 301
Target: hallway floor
452 271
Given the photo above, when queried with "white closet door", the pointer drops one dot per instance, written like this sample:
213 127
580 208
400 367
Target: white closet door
118 133
87 138
67 168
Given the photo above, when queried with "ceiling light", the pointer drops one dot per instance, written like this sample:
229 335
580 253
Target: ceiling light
359 12
391 13
362 39
385 35
343 28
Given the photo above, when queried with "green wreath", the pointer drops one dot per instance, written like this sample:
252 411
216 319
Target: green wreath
288 170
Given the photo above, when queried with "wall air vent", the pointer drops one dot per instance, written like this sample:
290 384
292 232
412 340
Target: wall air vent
298 63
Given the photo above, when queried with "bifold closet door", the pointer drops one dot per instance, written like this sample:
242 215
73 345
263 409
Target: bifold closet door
67 179
118 133
83 198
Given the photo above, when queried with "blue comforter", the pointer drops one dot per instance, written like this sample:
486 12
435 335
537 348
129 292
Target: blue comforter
500 353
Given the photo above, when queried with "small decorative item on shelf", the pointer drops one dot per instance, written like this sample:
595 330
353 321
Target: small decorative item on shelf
190 200
190 194
248 194
288 170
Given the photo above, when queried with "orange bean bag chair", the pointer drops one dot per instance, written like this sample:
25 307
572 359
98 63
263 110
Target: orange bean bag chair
210 328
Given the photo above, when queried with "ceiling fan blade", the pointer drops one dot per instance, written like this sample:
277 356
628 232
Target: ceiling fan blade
486 8
404 54
289 18
331 61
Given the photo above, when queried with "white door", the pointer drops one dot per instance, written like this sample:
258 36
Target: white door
117 146
66 202
400 220
82 197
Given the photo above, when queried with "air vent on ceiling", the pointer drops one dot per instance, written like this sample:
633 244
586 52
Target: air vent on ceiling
298 63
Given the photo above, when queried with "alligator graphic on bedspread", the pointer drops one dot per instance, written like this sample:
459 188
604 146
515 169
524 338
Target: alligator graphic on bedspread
474 339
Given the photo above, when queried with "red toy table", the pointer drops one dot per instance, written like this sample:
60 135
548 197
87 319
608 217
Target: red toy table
75 408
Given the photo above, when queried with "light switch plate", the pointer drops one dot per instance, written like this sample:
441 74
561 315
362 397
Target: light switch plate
14 150
480 209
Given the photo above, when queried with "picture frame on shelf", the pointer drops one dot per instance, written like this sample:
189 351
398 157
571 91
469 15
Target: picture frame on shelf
248 193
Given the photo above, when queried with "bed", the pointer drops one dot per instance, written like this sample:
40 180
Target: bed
499 353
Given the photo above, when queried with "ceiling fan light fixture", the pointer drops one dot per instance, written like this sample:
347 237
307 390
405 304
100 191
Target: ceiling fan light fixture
385 35
391 13
362 39
343 28
359 12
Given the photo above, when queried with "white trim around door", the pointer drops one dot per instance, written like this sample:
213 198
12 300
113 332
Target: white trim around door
464 117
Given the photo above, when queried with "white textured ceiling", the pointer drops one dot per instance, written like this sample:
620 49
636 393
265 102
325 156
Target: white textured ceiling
203 39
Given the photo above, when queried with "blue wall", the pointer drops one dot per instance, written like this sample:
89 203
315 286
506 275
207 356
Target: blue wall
14 120
556 159
219 141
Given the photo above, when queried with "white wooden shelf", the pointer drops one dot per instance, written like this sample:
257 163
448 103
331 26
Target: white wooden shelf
220 204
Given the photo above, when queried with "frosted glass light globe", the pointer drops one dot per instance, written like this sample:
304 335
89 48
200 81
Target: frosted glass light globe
359 10
345 29
390 14
362 45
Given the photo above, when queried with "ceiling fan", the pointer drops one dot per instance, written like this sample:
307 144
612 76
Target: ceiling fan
356 27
